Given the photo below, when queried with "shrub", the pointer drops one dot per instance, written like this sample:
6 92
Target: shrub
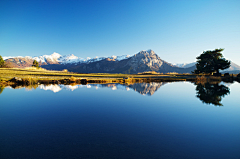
72 79
35 64
2 62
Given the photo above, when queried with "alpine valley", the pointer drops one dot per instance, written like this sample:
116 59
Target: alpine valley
140 62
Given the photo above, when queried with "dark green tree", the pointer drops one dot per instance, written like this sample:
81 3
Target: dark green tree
211 93
211 61
35 64
2 62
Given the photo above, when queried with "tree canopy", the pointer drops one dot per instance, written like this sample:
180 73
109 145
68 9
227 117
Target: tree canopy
211 61
2 62
35 64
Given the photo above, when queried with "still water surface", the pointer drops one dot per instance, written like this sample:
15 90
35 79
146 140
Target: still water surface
157 120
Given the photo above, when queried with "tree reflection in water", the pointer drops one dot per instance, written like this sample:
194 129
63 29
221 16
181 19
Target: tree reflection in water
1 89
210 93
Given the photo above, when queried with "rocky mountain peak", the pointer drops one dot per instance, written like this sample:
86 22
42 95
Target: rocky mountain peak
149 54
145 60
150 51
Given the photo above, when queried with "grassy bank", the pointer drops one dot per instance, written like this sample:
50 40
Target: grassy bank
41 76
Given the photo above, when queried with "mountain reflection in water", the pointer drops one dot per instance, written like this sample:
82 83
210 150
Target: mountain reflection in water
146 88
143 88
208 93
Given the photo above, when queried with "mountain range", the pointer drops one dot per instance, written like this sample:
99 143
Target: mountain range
140 62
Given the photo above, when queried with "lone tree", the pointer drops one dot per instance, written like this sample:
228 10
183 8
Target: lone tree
211 61
2 62
35 64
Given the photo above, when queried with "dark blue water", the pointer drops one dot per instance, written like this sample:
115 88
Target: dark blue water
112 121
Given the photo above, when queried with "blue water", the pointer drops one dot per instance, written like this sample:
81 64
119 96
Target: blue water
112 121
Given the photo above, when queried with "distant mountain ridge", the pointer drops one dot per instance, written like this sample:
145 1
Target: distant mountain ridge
56 58
141 62
185 65
233 68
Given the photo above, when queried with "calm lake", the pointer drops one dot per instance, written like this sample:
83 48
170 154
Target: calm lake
146 120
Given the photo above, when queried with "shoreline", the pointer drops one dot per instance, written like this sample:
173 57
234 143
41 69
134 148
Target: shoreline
15 76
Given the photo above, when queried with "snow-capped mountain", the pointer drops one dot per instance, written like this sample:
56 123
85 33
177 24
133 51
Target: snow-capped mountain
140 62
185 65
56 58
119 58
47 58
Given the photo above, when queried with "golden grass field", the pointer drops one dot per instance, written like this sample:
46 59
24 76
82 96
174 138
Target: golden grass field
34 75
9 73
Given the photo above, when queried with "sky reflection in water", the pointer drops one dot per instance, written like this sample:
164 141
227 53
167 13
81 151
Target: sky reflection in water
168 122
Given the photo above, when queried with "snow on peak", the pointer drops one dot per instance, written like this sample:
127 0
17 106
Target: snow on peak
56 55
7 57
147 52
44 58
150 51
68 59
113 57
119 58
184 65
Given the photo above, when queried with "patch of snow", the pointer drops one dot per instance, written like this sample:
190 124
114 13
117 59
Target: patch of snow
28 57
89 60
184 65
119 58
55 55
39 59
7 57
68 59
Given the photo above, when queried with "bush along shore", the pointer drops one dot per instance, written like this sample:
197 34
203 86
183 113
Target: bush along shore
127 80
25 77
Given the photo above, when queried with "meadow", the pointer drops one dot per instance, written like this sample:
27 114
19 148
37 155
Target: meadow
34 76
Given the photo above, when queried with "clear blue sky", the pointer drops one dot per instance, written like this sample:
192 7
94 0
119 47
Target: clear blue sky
177 31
